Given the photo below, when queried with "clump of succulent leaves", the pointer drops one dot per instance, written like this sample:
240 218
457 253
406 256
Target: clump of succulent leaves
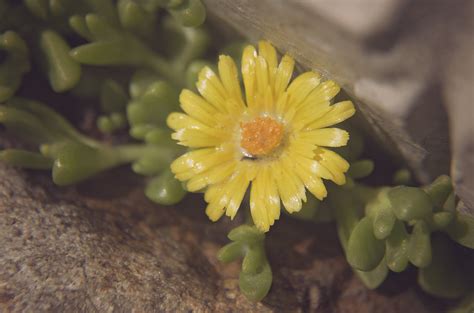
132 58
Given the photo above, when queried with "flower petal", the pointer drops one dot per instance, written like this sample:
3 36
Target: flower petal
339 112
192 133
290 188
249 57
327 137
261 73
283 74
323 92
211 88
312 182
199 161
237 195
216 207
230 78
334 163
268 52
257 203
301 87
214 175
198 108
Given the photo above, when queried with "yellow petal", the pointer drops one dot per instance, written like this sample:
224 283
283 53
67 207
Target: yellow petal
261 73
312 182
192 133
290 187
268 52
334 163
189 159
211 88
216 207
272 197
312 166
301 87
214 175
229 76
178 120
307 114
325 91
198 108
268 103
237 188
257 205
281 104
326 137
283 75
249 57
199 161
316 104
194 138
339 112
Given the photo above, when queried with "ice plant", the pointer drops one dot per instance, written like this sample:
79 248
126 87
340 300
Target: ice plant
272 138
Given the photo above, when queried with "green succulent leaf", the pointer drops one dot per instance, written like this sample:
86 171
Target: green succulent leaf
256 286
441 220
361 169
253 260
247 234
256 276
63 72
75 162
154 161
374 278
140 81
113 97
439 190
419 245
111 123
402 177
135 18
462 230
190 13
152 108
444 277
231 252
384 220
58 127
346 216
165 189
410 203
25 159
26 125
364 250
396 248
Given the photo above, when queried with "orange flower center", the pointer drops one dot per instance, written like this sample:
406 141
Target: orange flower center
261 136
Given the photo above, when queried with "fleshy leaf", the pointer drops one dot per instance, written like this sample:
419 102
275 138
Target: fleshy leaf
444 277
462 230
374 278
419 245
165 189
364 251
410 203
63 72
396 246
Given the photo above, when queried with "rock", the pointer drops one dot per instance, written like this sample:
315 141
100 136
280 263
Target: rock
103 247
405 63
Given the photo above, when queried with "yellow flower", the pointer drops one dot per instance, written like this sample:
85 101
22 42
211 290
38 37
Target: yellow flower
272 139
